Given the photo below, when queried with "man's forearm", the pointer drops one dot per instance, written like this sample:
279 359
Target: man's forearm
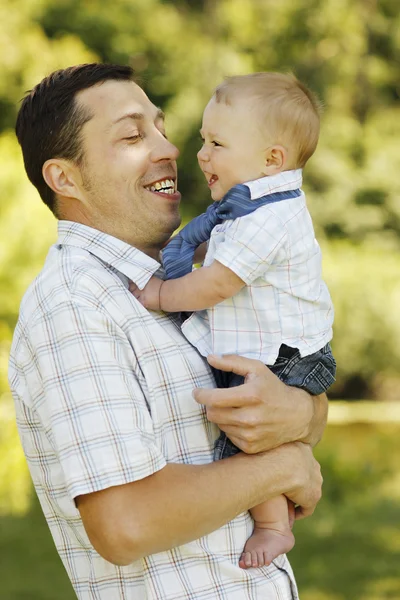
185 502
181 503
318 420
307 418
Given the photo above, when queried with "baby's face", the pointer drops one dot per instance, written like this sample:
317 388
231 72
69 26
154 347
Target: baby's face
233 148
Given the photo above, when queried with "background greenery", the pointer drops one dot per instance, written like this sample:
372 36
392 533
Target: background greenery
348 51
348 550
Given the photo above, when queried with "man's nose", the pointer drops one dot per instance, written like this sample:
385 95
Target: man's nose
163 149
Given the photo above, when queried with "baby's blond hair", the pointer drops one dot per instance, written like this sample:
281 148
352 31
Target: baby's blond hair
289 112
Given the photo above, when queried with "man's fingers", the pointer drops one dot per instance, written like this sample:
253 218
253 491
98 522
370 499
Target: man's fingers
223 397
236 364
304 511
292 513
238 422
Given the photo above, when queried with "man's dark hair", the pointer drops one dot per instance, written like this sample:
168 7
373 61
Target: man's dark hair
50 121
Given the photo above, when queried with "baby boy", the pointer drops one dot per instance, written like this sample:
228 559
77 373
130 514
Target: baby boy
259 292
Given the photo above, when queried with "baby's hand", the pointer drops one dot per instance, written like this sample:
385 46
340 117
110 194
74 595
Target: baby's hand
149 296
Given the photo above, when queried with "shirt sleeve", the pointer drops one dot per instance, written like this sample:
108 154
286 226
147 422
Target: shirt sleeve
91 404
252 244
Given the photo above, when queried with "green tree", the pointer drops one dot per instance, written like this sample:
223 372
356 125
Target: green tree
347 52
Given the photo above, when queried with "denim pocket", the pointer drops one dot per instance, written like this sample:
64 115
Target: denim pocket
319 379
314 373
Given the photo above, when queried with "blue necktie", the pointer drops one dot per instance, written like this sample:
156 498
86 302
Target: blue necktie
178 254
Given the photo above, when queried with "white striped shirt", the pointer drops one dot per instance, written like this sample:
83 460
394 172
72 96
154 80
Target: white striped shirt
285 300
103 397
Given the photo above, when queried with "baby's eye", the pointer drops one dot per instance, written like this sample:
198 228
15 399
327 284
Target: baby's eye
216 144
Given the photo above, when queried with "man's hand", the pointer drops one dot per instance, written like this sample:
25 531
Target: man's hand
305 487
149 296
264 412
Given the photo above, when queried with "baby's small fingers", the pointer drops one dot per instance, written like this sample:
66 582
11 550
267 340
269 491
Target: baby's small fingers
245 560
136 292
132 286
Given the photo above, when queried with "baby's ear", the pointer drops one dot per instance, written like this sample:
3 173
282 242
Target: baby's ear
275 160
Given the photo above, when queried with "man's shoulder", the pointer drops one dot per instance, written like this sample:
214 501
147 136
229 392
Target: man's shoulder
69 275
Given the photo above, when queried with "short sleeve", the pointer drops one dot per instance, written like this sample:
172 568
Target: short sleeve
252 244
91 404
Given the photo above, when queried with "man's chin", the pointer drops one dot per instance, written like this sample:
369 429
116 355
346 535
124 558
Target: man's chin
171 225
177 222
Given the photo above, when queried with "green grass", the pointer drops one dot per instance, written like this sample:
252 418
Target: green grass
349 550
29 566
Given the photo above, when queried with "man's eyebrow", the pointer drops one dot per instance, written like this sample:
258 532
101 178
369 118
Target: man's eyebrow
136 116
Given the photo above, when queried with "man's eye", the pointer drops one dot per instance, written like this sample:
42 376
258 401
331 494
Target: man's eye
134 138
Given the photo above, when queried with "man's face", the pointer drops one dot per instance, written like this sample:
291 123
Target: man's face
233 148
129 169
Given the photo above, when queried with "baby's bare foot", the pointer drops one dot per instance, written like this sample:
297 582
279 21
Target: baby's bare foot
264 546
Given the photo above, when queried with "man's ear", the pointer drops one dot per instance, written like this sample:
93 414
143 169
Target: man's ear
63 177
275 159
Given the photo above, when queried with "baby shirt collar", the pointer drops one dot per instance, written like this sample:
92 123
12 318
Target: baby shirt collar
282 182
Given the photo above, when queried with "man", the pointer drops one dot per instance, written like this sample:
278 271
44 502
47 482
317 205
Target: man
119 451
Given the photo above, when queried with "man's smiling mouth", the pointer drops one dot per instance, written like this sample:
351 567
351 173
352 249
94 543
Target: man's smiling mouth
166 186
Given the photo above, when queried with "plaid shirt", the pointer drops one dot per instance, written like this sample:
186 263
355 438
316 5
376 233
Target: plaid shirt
285 301
103 397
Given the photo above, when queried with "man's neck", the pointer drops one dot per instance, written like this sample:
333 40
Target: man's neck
152 249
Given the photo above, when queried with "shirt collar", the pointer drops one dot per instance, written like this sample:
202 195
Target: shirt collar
282 182
126 259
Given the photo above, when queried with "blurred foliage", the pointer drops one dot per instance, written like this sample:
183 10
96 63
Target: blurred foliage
348 550
15 488
347 52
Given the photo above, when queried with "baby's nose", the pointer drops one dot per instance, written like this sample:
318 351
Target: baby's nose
203 154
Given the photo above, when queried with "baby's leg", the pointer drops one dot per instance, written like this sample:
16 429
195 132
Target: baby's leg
272 533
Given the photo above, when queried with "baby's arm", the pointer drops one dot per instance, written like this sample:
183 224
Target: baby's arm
203 288
200 253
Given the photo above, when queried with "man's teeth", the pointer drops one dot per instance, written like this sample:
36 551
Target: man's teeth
167 186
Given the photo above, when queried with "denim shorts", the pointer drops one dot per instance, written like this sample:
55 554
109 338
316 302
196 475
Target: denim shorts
314 373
